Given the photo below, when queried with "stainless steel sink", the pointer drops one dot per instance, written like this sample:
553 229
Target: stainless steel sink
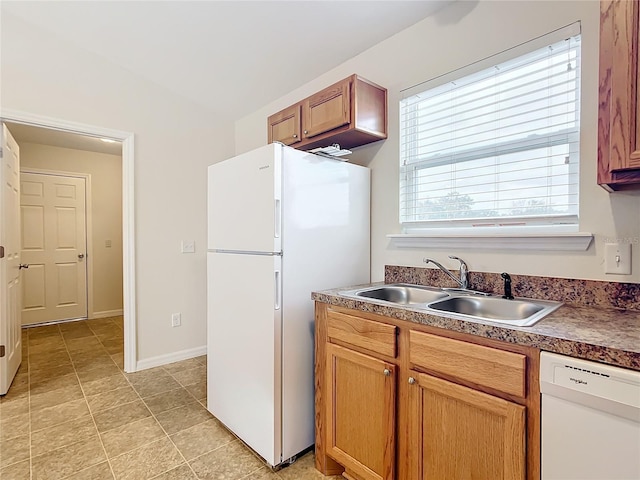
523 312
403 294
493 308
459 303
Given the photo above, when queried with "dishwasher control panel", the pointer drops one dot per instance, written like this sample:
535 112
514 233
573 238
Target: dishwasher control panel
604 381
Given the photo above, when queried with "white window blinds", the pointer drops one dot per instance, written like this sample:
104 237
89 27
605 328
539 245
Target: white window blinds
497 147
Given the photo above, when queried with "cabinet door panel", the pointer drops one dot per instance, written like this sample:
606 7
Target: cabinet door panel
619 107
361 413
457 432
624 86
326 110
634 158
284 126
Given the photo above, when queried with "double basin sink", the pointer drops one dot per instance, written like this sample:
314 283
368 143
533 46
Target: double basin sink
467 304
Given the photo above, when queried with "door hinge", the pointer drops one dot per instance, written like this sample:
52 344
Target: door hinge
1 251
1 351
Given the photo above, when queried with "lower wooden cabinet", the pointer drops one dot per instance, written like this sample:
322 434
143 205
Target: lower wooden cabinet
361 413
457 432
398 400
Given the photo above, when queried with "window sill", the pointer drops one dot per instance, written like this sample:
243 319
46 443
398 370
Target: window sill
577 242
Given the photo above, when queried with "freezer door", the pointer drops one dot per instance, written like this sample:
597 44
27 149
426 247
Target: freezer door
243 348
244 201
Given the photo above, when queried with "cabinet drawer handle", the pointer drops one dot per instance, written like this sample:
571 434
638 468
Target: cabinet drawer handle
295 135
412 380
387 372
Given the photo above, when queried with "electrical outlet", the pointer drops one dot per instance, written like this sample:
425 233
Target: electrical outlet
176 319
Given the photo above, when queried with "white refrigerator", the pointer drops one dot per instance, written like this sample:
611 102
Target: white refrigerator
281 223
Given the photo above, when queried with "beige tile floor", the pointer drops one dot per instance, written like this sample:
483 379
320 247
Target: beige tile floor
72 413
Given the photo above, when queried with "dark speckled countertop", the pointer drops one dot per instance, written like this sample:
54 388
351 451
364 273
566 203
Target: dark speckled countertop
606 335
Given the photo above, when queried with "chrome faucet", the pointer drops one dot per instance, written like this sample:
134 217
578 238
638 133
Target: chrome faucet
463 281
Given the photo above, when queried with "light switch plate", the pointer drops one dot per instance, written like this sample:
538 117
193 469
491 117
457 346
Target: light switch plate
617 258
188 246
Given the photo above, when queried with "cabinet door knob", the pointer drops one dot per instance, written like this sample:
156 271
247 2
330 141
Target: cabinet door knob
295 135
387 372
412 380
305 132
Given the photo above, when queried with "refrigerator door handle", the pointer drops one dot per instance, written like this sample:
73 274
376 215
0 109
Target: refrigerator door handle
277 219
278 292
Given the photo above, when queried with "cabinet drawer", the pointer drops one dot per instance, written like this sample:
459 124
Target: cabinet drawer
485 366
376 337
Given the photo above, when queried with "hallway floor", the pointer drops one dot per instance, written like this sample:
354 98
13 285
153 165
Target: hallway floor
72 413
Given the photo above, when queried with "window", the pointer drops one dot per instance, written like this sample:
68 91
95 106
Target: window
497 147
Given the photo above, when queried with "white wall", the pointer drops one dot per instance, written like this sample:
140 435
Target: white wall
175 140
106 213
458 35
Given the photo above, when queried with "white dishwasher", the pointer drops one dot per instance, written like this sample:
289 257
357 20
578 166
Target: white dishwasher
590 420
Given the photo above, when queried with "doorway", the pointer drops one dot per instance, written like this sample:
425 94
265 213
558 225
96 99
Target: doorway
128 241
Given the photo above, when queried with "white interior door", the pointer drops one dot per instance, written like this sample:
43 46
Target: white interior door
54 243
10 330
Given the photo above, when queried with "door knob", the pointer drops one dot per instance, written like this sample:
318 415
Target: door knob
387 372
412 380
81 256
23 265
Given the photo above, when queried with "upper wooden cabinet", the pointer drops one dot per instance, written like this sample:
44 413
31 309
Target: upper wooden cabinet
619 110
351 113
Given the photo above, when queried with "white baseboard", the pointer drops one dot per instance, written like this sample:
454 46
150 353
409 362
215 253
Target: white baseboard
107 313
170 358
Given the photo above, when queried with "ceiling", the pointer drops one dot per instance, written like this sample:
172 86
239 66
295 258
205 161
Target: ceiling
232 57
46 136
